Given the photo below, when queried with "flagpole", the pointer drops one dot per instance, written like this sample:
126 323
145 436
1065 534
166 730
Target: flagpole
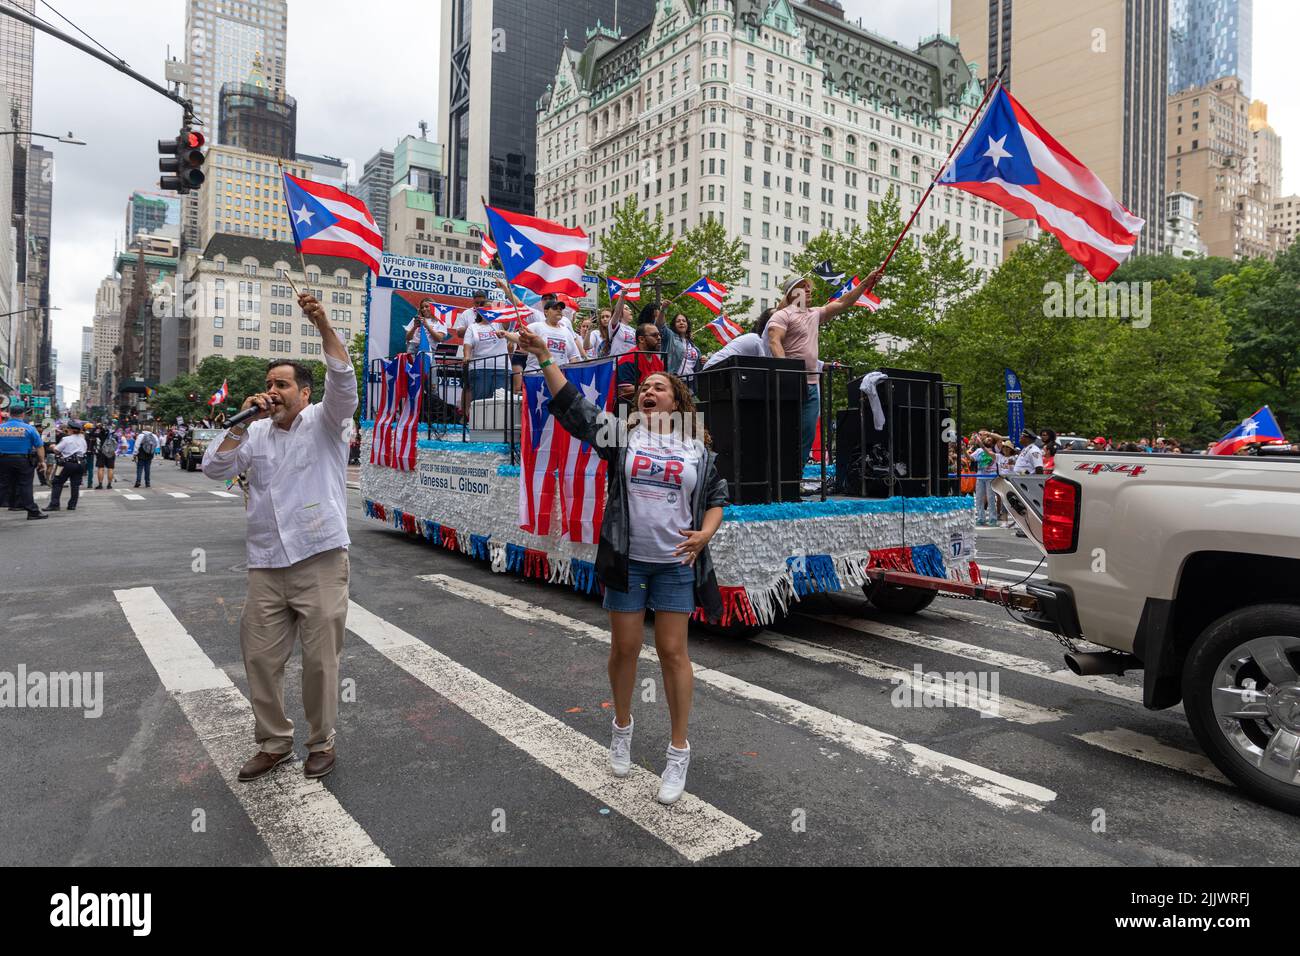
943 167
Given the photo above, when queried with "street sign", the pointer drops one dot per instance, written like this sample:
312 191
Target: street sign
41 401
24 389
590 287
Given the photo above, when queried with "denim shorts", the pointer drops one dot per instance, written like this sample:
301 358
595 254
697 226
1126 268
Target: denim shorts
660 587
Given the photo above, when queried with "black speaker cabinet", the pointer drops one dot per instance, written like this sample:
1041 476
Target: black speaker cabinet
908 456
751 407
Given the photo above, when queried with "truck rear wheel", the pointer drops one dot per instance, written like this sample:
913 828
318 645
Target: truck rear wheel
897 599
1241 688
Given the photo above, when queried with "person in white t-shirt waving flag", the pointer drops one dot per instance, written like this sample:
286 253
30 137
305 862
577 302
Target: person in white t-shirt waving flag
664 504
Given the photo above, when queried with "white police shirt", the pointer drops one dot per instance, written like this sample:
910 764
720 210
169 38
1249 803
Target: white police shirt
297 478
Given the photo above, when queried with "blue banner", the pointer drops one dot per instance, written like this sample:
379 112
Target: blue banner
1015 406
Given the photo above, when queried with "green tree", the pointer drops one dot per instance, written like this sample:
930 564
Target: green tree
1162 378
245 375
1006 324
1205 271
1262 304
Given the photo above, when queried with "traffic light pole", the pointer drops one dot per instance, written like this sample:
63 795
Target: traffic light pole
119 65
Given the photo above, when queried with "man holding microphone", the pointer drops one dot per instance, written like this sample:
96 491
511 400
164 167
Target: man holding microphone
295 456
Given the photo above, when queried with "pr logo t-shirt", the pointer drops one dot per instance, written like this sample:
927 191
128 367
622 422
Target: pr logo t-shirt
662 471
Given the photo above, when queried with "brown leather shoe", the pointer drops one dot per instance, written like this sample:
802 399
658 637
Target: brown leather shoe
319 763
261 764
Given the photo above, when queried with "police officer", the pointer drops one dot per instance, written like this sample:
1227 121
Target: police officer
70 455
21 449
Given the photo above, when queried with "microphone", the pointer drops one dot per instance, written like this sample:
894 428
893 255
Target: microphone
241 417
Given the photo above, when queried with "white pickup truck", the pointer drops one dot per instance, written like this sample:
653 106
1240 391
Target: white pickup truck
1188 568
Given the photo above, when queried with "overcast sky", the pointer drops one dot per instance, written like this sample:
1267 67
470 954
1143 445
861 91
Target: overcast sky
364 75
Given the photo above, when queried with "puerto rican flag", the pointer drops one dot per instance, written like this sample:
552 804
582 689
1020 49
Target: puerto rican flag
487 252
1015 163
616 286
220 394
708 293
724 329
381 450
653 263
328 222
445 314
868 300
562 479
396 433
539 255
505 314
1259 429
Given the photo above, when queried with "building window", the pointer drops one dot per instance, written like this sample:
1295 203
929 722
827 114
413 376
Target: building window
216 341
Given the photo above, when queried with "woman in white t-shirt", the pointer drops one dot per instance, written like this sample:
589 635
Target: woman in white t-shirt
487 358
558 335
1004 459
664 504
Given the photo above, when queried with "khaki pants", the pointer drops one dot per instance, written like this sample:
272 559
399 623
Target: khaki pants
309 598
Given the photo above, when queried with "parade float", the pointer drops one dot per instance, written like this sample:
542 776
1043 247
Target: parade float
439 480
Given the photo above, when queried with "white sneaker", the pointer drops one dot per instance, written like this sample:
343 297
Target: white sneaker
674 778
620 749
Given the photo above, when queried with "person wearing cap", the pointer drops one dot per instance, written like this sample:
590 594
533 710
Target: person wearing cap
70 466
20 449
1030 459
792 333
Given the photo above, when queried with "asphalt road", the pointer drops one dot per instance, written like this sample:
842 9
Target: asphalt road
475 722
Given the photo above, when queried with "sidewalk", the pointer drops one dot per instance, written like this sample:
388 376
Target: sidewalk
354 477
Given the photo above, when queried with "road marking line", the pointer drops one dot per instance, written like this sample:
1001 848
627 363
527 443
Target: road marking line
958 694
1003 623
221 494
177 494
1012 573
1011 662
300 821
1130 743
995 788
692 827
133 497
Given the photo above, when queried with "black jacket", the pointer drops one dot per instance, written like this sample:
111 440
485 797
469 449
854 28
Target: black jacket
580 418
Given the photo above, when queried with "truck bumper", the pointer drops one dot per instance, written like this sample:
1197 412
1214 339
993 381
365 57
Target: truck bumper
1056 611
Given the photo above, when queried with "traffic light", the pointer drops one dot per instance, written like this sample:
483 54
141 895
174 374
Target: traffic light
182 162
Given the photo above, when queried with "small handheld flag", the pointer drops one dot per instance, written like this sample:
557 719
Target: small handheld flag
220 394
708 293
868 300
1260 429
654 262
828 273
724 330
444 313
616 286
328 222
487 252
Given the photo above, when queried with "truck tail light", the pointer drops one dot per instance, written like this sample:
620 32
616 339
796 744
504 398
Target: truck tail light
1061 500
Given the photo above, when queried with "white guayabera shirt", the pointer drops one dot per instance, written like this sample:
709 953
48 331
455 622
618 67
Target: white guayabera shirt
297 479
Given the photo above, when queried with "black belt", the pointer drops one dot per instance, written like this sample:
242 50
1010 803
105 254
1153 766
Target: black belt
20 454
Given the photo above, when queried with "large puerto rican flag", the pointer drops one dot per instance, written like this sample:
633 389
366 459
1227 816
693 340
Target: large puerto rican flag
708 293
539 255
328 222
1259 429
1015 163
868 300
562 479
395 437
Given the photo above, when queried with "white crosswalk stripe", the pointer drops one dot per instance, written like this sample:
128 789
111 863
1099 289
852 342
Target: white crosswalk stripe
1012 573
223 494
956 694
133 497
1130 743
177 494
1012 662
988 785
695 829
300 821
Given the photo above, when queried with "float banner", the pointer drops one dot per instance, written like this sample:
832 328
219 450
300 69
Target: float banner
403 283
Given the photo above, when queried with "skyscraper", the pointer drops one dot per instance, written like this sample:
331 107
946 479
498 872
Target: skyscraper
376 180
16 51
497 58
255 117
224 39
40 201
1094 76
16 48
1208 40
